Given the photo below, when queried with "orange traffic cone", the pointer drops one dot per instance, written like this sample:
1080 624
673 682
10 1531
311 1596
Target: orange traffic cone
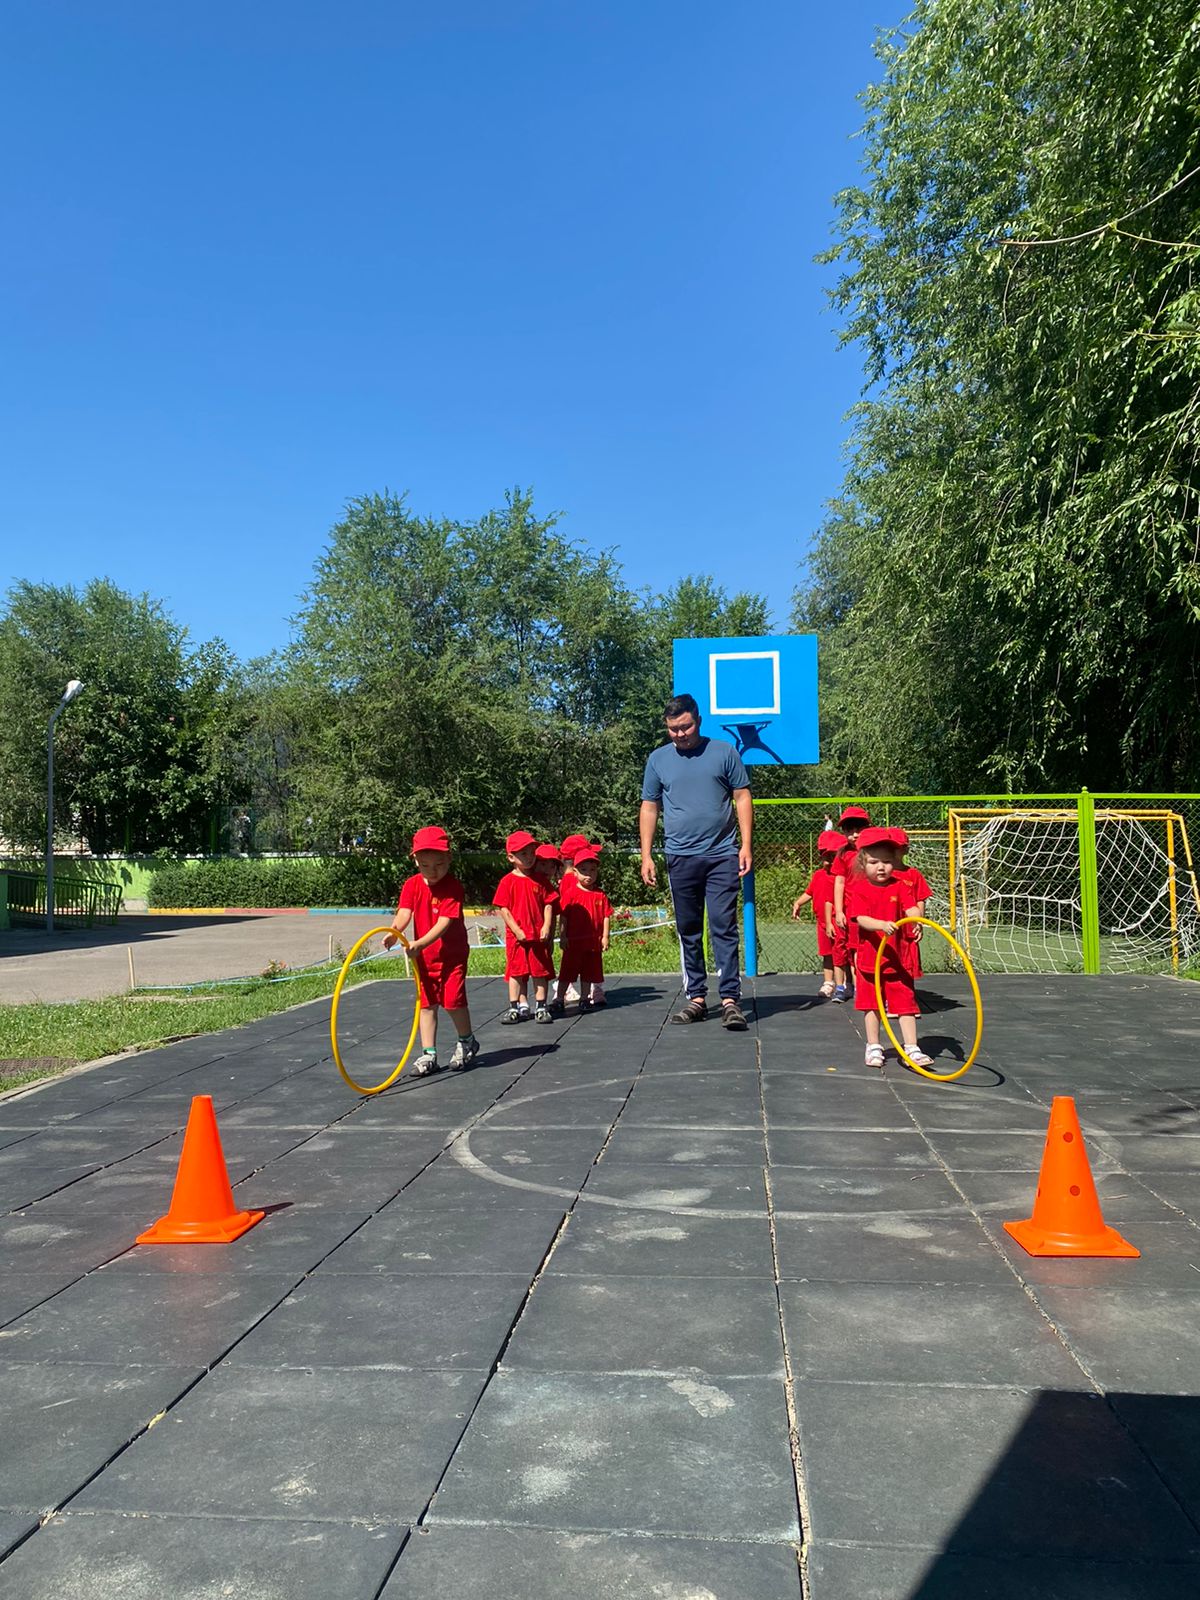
202 1209
1067 1220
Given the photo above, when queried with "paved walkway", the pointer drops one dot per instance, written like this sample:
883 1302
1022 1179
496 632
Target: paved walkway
626 1311
89 963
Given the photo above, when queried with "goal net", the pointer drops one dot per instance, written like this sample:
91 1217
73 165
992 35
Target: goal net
1016 901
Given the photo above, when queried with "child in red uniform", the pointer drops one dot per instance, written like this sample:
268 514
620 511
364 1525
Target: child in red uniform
431 901
876 900
527 907
845 935
573 843
586 918
922 893
819 895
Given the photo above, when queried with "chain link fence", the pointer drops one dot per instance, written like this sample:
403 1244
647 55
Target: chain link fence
1071 882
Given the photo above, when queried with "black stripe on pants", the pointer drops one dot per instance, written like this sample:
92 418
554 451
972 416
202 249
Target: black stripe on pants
712 881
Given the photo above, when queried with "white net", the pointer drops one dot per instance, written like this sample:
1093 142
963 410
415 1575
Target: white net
1018 905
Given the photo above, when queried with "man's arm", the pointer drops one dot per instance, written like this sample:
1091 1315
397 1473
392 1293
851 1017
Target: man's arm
647 823
743 804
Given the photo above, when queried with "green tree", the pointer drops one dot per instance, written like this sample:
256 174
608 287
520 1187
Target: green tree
138 756
1008 586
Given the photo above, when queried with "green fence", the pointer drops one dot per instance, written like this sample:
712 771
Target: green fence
76 900
1028 883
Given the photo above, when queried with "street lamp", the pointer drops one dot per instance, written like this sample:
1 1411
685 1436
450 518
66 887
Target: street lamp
72 689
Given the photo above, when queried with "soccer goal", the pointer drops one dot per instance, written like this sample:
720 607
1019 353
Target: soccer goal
1028 893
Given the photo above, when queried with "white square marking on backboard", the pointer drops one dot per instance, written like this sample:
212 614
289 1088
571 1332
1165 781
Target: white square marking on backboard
742 711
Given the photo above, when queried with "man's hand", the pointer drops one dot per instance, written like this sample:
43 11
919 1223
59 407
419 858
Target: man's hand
649 874
745 861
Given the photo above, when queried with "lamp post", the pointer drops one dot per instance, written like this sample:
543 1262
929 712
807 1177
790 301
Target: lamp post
72 689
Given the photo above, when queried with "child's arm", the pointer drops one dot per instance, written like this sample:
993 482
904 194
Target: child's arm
829 934
434 934
399 922
875 925
511 923
604 933
547 921
839 901
799 904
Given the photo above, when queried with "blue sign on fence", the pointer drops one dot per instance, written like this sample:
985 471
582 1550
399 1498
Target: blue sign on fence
761 694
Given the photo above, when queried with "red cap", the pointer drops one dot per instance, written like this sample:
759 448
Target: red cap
855 814
518 841
431 839
870 836
900 837
548 852
830 840
591 853
573 842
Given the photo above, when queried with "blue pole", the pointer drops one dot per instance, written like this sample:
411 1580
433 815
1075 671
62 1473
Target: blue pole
749 927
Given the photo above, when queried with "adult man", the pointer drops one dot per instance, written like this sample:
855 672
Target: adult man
699 784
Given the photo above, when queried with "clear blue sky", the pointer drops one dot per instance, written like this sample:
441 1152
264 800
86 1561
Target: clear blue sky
262 257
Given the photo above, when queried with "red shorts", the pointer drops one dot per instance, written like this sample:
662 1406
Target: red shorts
840 950
825 945
899 996
442 984
581 963
528 958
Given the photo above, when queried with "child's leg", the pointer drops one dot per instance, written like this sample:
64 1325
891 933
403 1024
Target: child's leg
539 991
428 1025
908 1033
516 990
872 1021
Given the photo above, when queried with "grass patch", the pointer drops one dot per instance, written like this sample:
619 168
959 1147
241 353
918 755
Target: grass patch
40 1041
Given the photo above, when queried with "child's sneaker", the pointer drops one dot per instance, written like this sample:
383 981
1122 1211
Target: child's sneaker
826 991
426 1064
523 1008
465 1052
513 1014
557 1009
839 995
542 1014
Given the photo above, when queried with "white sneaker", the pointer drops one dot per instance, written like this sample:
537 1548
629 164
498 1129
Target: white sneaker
571 995
465 1052
426 1064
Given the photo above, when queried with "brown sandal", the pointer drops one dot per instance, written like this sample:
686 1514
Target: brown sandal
695 1011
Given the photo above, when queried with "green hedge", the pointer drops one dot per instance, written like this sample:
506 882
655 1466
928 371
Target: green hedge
357 880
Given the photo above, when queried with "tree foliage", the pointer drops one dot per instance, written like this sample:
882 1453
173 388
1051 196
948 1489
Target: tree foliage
1008 586
138 755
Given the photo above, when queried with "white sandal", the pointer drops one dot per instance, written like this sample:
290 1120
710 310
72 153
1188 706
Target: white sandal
920 1059
874 1055
826 991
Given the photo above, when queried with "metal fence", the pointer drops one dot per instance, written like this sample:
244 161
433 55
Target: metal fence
76 900
1074 882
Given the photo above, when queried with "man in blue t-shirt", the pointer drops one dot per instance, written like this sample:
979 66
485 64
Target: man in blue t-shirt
700 786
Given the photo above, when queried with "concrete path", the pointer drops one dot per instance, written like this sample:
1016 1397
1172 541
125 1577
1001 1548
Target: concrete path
89 963
626 1311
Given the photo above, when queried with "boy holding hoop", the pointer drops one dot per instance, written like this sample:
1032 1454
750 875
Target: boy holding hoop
876 900
431 903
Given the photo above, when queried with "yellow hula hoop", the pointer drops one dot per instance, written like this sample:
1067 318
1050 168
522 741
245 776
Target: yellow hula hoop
938 1077
362 1088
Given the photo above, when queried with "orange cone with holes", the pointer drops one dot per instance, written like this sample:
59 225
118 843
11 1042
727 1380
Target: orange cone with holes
1067 1220
202 1209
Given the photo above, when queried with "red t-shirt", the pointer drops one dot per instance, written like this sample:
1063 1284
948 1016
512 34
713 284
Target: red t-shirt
525 899
843 861
888 902
427 903
583 913
820 887
916 881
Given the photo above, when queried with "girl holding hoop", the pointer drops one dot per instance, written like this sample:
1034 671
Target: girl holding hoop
876 900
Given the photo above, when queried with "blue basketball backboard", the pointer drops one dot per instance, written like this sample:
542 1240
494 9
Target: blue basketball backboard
760 694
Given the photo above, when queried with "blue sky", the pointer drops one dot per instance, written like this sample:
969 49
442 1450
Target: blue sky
262 258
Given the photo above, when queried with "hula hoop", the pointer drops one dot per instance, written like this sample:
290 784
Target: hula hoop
362 1088
938 1077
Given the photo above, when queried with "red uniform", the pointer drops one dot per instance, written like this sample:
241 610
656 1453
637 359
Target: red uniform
583 912
820 887
442 965
525 900
887 902
844 939
910 950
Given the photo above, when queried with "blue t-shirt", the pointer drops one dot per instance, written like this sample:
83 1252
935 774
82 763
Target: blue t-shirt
695 789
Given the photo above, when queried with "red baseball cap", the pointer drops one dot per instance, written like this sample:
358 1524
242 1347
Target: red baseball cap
573 842
828 840
518 841
431 839
591 853
870 836
855 814
548 852
900 837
